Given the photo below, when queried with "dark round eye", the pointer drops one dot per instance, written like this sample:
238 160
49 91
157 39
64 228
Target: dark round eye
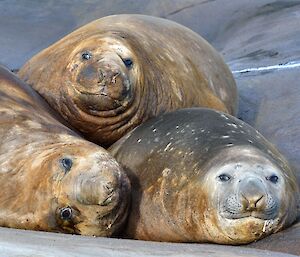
273 179
224 177
66 213
86 56
128 62
66 163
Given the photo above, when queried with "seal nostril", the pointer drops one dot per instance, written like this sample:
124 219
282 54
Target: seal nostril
109 187
110 194
251 203
260 203
101 76
258 200
106 202
114 77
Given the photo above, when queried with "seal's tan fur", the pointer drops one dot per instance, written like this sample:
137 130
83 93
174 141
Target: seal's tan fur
36 186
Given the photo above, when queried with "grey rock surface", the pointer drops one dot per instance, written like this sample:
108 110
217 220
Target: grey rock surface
19 243
259 40
285 241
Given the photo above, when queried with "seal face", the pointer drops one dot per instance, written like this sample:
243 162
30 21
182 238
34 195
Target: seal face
53 180
200 175
249 193
90 192
116 72
101 75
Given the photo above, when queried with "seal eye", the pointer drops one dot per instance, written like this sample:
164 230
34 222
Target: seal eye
273 179
224 177
86 56
66 163
66 213
128 63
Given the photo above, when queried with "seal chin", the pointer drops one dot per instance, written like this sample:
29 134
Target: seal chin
248 229
94 103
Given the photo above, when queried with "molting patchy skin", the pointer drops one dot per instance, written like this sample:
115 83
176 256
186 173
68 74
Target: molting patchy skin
208 178
53 180
116 72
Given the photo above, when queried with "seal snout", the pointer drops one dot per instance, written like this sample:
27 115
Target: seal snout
97 191
252 199
103 86
253 195
111 83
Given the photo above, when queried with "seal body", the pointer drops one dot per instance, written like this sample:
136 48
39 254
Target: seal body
50 178
200 175
110 75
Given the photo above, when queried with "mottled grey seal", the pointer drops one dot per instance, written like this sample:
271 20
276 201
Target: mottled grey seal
51 179
110 75
200 175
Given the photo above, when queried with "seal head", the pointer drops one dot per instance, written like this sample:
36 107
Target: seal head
91 193
249 196
102 76
53 179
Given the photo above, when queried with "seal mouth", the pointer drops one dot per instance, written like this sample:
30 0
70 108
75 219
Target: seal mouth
267 215
113 197
235 211
122 102
93 102
98 102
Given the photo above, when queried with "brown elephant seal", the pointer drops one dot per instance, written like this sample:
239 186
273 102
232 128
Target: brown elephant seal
200 175
50 178
110 75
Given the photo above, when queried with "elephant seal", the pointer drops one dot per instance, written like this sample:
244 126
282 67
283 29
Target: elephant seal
51 179
110 75
199 175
